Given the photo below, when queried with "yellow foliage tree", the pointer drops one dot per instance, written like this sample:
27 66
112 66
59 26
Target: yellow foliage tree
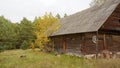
43 27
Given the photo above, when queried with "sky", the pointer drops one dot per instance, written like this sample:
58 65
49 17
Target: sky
15 10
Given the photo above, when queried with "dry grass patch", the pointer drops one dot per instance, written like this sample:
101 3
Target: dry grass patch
12 59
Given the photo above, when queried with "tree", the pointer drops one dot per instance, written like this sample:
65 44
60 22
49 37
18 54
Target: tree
20 35
24 45
58 16
97 2
65 15
8 34
26 31
42 29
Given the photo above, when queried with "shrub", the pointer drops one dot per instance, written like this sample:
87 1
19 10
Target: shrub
9 46
24 45
2 48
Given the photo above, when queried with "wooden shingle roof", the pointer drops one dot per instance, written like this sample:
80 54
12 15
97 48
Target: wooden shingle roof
89 20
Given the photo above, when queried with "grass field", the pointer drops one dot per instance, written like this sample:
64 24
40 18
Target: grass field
11 59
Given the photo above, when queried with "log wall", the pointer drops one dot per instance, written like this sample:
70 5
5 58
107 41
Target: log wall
73 44
82 43
115 47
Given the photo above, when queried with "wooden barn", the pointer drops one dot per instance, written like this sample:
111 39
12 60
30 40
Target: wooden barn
94 29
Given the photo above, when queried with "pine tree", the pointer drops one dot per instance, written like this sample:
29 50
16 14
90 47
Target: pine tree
65 15
58 16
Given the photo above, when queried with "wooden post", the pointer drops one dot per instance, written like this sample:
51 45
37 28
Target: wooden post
82 43
104 37
84 50
64 44
97 45
53 44
112 40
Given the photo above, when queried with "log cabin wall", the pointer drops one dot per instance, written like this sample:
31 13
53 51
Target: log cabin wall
58 44
82 43
111 43
74 43
115 43
88 47
68 43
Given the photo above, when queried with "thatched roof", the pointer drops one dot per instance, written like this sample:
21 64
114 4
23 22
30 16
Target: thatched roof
89 20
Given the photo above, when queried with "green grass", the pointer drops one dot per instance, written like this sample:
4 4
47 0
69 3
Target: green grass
11 59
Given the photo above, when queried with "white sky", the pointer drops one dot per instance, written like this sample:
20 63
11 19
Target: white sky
15 10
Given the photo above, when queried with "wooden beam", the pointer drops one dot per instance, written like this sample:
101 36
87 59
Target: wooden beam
116 18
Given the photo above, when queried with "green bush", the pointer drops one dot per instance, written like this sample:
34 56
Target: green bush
9 46
24 45
2 48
